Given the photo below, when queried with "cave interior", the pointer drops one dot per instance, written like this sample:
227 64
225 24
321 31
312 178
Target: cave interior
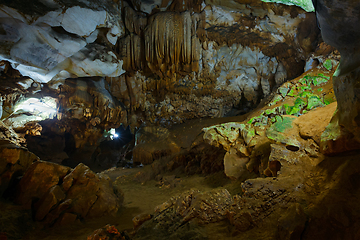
169 119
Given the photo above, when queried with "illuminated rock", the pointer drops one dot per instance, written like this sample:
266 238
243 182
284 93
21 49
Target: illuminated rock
60 35
31 110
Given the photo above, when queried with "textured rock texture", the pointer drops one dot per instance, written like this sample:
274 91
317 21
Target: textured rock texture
60 195
295 118
339 28
14 161
179 213
140 64
210 55
108 232
165 61
63 32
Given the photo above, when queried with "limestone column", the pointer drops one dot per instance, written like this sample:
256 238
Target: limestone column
339 21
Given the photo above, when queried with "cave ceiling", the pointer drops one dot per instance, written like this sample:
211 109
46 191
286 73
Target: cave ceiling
107 63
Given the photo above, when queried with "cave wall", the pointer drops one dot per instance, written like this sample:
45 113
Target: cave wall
165 61
136 63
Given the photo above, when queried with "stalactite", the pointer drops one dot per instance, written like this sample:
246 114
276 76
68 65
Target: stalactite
134 22
81 94
131 52
168 45
171 45
183 5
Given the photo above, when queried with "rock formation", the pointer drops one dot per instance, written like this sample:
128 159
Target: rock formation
339 29
202 50
60 195
137 63
235 93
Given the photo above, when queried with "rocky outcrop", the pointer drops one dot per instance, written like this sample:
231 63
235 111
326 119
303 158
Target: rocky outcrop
288 131
312 124
180 212
339 28
65 33
14 161
188 214
60 195
8 135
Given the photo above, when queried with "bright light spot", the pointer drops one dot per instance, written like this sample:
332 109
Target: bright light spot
113 134
44 107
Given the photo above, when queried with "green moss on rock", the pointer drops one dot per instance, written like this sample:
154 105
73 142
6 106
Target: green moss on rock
314 102
328 64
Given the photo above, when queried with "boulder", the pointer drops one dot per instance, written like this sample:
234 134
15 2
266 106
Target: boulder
313 123
60 195
39 178
14 161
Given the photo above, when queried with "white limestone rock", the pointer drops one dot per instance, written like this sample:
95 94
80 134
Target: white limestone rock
217 16
93 60
44 48
60 40
240 69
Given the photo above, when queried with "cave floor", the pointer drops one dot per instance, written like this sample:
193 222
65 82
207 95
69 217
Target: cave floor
324 192
328 194
139 198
